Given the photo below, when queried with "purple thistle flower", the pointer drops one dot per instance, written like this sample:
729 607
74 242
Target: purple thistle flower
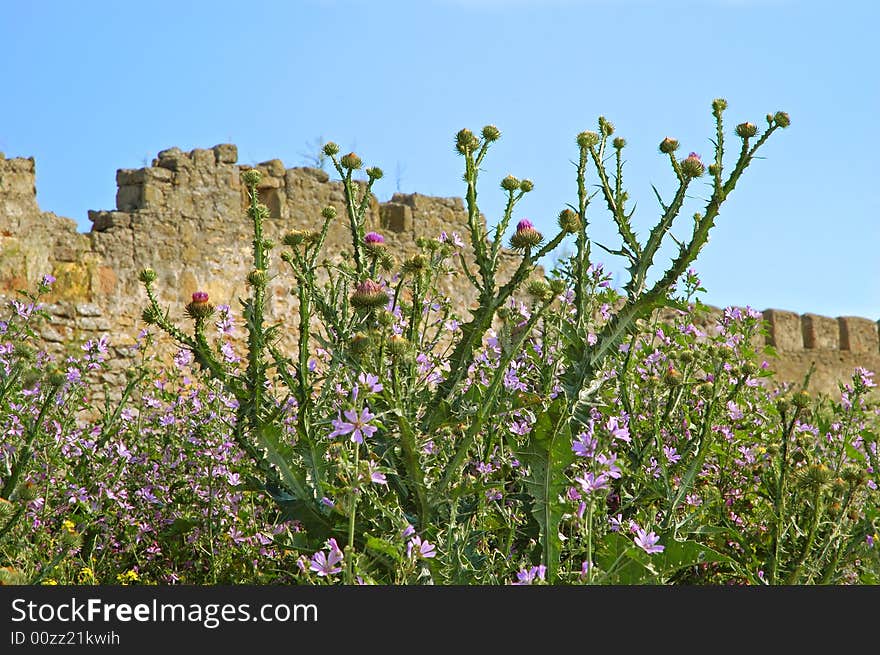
374 239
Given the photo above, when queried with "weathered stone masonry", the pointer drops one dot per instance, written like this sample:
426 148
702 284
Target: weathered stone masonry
184 217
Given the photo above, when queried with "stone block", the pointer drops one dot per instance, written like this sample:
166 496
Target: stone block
88 309
275 167
396 217
858 335
785 330
225 153
174 159
820 332
203 158
129 198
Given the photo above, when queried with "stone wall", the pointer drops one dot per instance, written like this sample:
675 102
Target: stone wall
184 217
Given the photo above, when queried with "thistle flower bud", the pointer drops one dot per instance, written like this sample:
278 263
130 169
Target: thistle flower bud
539 290
569 221
369 295
329 212
606 127
668 145
374 243
147 276
199 308
714 169
491 133
526 236
375 173
331 149
782 119
415 263
258 211
351 161
619 143
587 139
385 318
360 343
816 476
746 130
557 286
783 404
719 105
257 278
466 141
801 399
510 183
854 475
691 166
251 177
398 345
294 238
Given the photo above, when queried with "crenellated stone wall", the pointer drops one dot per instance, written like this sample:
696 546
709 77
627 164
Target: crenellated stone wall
184 217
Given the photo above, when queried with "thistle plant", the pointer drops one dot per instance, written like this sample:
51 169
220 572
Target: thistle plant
409 443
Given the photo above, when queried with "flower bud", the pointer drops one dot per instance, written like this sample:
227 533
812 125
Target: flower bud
691 166
782 119
719 105
385 318
466 141
257 278
369 295
360 343
619 143
415 264
375 173
147 276
258 211
526 236
587 139
539 289
569 221
491 133
714 169
150 316
606 127
398 345
329 212
526 185
251 177
331 149
801 399
855 475
294 238
746 130
351 161
557 286
510 183
783 404
668 145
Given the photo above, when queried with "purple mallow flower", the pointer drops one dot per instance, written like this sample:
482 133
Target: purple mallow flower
528 576
418 548
358 426
647 541
371 382
327 564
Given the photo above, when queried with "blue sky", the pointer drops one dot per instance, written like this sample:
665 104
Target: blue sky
90 87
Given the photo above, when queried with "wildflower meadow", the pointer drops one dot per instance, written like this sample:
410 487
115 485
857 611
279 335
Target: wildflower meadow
554 432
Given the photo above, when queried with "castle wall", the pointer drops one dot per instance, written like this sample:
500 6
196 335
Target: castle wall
184 217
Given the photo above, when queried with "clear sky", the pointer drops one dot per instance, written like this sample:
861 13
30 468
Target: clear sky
89 87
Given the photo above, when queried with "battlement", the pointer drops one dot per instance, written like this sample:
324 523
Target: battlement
184 217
